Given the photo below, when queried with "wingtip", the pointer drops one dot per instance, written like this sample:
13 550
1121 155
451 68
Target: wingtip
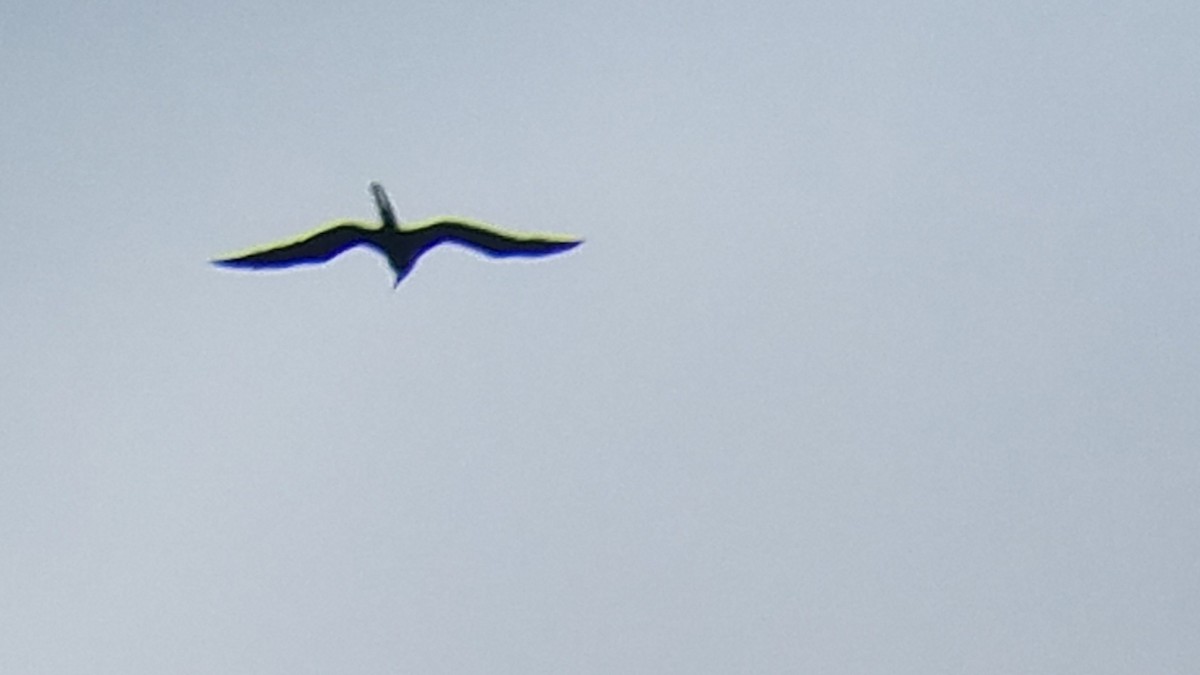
228 263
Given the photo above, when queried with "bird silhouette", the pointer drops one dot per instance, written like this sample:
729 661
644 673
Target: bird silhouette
402 247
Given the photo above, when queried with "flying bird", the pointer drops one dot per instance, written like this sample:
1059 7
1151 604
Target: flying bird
402 247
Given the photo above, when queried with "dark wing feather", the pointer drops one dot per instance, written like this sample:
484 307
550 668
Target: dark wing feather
312 248
489 240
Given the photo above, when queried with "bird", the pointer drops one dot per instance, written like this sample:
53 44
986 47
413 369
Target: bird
401 247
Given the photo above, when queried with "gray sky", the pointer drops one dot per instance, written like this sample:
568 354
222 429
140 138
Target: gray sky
880 357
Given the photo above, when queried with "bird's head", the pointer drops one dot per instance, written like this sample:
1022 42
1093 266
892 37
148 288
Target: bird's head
384 203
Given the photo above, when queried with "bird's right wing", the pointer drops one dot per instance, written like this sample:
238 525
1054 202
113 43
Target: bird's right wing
488 239
314 247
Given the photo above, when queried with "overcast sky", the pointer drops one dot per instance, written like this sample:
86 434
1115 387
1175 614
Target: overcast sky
881 355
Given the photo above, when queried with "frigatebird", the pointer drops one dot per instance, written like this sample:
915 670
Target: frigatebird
402 247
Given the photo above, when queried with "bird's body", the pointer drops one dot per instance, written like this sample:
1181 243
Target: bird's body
401 247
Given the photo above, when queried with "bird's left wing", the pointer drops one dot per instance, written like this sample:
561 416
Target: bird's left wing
314 247
488 239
